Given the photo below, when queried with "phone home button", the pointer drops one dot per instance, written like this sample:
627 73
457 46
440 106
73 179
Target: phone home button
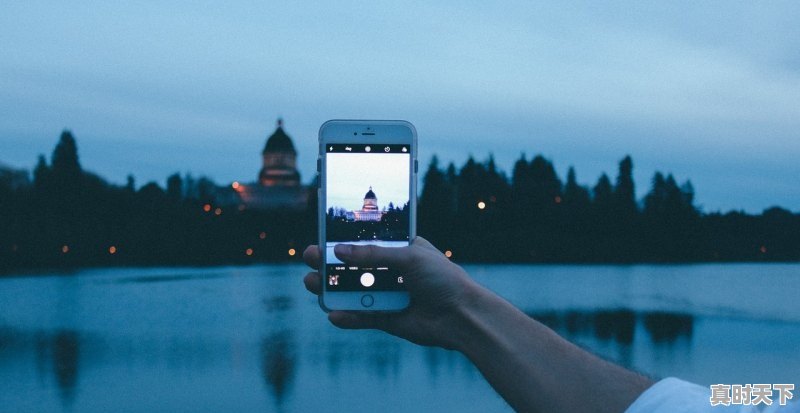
367 300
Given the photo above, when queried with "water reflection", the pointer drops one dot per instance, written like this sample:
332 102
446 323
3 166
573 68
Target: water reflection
668 327
279 363
56 357
618 325
279 303
66 357
384 359
238 343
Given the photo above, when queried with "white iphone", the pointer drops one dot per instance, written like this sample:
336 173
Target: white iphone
367 196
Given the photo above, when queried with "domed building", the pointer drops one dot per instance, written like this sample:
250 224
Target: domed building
369 210
278 185
279 160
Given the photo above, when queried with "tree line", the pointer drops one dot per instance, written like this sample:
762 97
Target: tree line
480 214
68 217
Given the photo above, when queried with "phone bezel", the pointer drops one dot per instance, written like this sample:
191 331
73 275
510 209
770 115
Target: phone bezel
352 131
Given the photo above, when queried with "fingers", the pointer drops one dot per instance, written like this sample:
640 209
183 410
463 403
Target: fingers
313 282
358 321
422 242
372 255
311 256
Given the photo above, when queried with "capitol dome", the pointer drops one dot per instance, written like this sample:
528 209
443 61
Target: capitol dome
280 158
370 201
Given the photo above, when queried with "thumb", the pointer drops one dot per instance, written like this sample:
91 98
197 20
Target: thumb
373 255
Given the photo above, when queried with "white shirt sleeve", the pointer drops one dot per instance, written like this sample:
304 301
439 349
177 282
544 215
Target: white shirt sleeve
673 395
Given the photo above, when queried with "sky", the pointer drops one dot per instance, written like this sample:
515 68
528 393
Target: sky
708 91
351 175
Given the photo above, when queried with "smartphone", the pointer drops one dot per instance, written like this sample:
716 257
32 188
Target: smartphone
367 196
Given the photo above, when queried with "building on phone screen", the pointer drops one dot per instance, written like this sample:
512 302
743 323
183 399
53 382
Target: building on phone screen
369 210
278 185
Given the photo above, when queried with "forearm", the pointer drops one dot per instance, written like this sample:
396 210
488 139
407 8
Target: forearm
533 368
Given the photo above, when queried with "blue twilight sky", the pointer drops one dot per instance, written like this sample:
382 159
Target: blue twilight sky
706 90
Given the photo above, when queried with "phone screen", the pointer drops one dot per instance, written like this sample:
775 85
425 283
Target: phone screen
367 192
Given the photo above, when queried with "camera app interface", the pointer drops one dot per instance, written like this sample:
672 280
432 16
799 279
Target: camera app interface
367 203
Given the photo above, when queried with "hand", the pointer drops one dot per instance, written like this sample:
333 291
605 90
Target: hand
439 289
526 362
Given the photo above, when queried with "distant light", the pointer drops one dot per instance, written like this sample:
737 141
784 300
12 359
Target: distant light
448 253
763 249
112 250
248 251
481 205
558 199
235 185
292 252
262 235
64 249
241 207
493 198
218 211
207 207
14 248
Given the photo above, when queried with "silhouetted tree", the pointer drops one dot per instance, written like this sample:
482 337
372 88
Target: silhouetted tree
41 175
625 229
130 184
175 187
575 196
603 194
670 219
576 220
624 191
70 217
65 165
436 206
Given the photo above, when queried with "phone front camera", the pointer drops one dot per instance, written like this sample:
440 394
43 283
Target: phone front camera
355 133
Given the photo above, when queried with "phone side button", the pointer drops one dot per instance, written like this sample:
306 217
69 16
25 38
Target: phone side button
367 300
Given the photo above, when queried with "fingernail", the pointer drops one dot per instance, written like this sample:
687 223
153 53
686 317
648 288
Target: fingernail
343 249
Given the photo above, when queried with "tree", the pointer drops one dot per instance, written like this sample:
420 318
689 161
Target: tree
41 175
624 191
65 165
575 196
175 187
130 184
436 204
603 192
546 184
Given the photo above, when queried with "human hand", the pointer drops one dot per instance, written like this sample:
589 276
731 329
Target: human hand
527 363
440 291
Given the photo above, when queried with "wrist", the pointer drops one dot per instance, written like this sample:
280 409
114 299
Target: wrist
469 318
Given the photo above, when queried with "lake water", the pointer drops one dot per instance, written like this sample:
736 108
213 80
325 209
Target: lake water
252 339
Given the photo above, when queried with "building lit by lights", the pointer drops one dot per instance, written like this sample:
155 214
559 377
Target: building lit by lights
278 185
369 210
